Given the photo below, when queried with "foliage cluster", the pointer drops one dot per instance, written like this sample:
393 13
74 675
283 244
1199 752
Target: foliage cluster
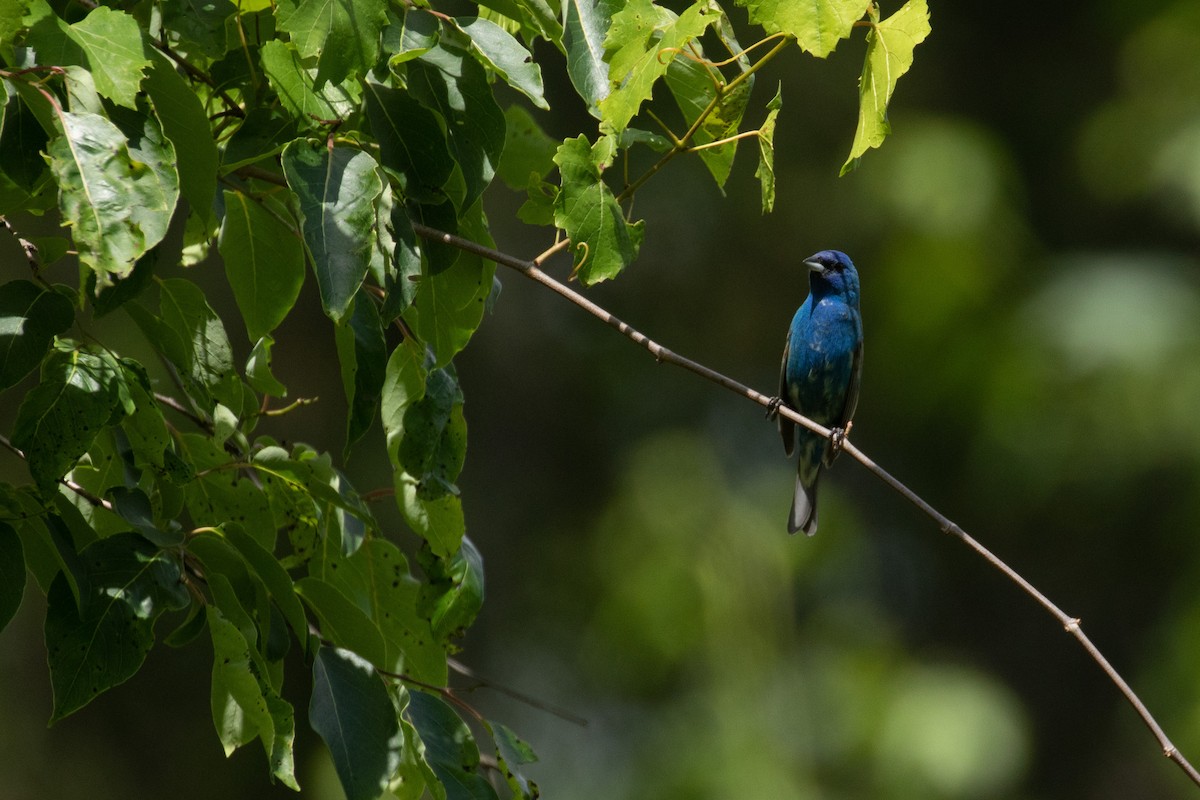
313 134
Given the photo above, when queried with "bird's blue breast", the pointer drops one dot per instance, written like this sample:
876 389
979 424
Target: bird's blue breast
823 340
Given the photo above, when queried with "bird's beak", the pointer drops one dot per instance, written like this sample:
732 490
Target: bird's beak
814 266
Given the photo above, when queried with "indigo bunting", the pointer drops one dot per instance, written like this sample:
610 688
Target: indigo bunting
820 375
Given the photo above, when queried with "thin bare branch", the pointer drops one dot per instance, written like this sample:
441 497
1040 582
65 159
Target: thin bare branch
662 354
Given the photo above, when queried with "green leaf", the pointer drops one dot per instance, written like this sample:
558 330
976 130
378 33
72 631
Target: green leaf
264 262
890 45
411 35
22 142
342 34
80 393
30 318
406 262
513 752
294 80
376 579
114 204
496 48
245 705
362 355
220 493
122 290
186 125
262 134
766 152
818 25
199 24
12 573
528 152
449 304
692 86
145 427
337 192
411 142
639 46
346 624
258 369
454 593
129 584
449 748
107 42
434 515
203 355
589 214
273 575
352 712
585 26
154 160
450 82
134 507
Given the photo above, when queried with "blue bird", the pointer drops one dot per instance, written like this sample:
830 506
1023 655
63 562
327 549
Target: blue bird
821 374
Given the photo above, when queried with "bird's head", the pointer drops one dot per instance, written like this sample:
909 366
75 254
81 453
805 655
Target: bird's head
832 272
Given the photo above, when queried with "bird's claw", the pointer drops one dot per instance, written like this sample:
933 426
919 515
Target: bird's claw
773 407
837 438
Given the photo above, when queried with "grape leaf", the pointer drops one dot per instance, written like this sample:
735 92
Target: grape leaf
818 25
890 45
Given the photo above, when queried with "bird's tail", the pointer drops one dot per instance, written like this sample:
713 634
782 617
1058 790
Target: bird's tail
804 507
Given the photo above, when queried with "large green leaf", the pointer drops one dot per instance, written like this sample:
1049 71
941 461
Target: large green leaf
294 79
107 42
186 125
245 705
337 191
80 393
346 624
204 355
376 579
454 593
585 25
450 82
449 304
12 573
449 748
129 584
639 47
351 710
30 318
412 144
220 492
890 45
693 88
818 25
264 261
362 356
342 34
154 159
589 214
497 49
113 203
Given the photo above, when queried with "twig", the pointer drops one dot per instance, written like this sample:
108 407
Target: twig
533 702
662 354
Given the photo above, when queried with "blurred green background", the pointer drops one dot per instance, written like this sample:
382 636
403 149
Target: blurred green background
1029 247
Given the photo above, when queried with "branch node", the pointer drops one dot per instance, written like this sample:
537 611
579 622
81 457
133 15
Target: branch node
1073 625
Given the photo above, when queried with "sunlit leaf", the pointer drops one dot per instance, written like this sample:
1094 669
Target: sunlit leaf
585 26
766 152
337 191
818 25
890 46
342 34
587 210
506 56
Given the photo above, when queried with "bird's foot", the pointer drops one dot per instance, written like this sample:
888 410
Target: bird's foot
837 439
773 407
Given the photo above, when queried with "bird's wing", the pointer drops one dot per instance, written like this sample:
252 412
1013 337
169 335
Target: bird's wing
787 428
855 383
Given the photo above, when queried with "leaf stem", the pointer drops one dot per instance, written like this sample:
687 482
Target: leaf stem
681 146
